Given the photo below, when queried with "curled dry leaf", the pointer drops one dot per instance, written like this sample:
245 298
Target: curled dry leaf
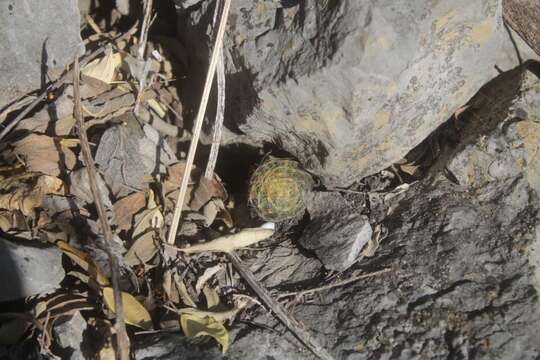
126 208
144 248
25 197
207 189
207 275
194 325
134 312
85 262
103 69
232 242
42 153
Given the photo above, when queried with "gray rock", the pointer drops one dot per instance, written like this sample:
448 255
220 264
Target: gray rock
349 87
462 283
69 336
337 231
35 37
27 270
172 347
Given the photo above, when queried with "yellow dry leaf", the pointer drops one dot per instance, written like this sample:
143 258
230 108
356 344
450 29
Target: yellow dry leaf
103 69
156 106
84 261
193 325
232 242
134 312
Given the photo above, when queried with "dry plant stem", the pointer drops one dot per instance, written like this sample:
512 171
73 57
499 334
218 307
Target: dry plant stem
220 108
220 114
198 124
55 85
141 52
334 285
294 326
121 334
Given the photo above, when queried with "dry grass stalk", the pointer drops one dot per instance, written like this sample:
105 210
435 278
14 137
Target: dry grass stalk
198 123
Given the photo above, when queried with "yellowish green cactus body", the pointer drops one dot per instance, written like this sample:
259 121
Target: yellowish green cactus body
278 188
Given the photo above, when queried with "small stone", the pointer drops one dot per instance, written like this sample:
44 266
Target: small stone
69 336
337 231
28 270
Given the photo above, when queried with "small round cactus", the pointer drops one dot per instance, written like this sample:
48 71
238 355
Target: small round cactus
277 189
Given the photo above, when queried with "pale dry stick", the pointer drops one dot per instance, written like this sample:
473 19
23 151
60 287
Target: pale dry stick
220 109
121 334
334 285
198 124
218 125
56 84
294 326
142 51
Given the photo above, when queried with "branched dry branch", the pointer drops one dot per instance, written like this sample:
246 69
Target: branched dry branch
121 334
334 285
198 123
294 326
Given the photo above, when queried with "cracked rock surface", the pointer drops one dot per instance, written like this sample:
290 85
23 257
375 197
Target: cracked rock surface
462 248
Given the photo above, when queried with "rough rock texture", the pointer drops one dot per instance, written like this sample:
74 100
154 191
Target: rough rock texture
349 87
69 335
172 347
337 231
27 269
459 243
35 37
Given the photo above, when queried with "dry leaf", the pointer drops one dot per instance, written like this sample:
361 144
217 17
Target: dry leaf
207 275
26 197
144 248
43 154
134 313
211 295
232 242
103 69
207 189
126 208
183 292
85 262
193 325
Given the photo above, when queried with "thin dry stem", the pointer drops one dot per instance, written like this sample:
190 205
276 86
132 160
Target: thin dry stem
220 110
198 124
292 324
334 285
122 337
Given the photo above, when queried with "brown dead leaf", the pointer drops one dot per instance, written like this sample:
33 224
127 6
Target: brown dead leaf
207 190
211 295
41 153
84 261
126 208
144 248
25 197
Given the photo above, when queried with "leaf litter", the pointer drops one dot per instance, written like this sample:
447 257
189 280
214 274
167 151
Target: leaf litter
46 196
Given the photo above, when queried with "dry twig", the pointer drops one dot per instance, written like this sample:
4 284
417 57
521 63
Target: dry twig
220 110
294 326
334 285
198 124
122 337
